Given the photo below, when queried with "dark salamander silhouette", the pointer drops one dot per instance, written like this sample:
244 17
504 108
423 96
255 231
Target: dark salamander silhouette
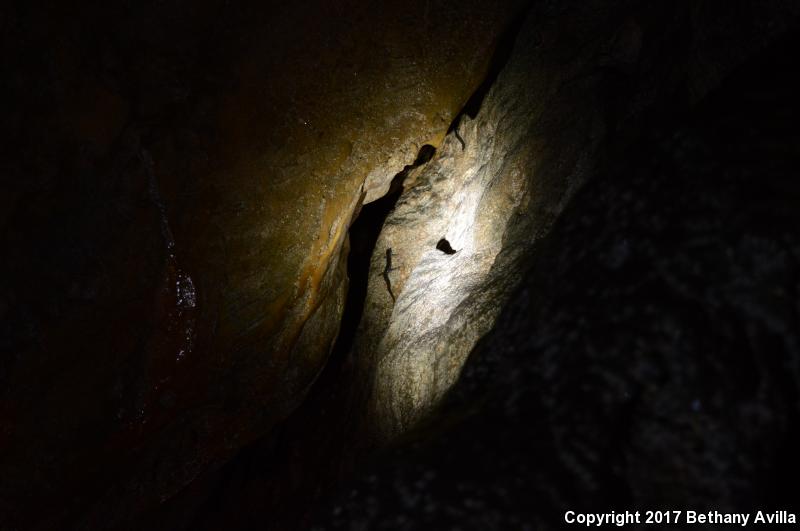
388 269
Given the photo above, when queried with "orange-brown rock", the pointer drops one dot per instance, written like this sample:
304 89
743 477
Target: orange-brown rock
175 222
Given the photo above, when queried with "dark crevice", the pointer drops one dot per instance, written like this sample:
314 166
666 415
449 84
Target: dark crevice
318 439
500 57
425 154
367 226
364 234
315 441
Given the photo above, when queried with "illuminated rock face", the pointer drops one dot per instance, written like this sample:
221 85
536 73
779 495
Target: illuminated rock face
182 184
491 191
539 135
444 236
650 354
180 188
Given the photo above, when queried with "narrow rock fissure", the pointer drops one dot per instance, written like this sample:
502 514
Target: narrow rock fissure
364 233
367 225
500 57
295 444
326 406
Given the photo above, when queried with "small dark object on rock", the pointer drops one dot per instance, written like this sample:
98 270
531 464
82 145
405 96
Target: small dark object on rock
461 140
388 269
444 246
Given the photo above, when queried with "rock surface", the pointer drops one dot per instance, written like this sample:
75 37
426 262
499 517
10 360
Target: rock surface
177 192
581 84
650 356
176 197
580 78
444 300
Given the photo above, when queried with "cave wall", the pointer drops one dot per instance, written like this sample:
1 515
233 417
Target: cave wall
582 79
649 355
177 189
583 83
178 183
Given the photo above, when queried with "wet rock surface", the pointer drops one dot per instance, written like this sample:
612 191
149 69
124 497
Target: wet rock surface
650 356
